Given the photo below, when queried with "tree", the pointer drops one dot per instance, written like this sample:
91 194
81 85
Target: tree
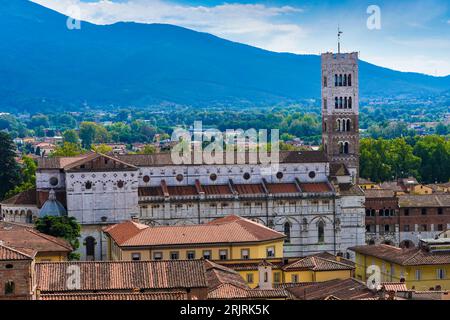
71 136
441 129
148 149
67 149
102 148
62 227
9 169
39 120
435 154
87 133
28 175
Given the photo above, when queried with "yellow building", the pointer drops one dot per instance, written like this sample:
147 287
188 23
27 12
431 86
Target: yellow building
229 238
367 184
423 268
234 242
47 248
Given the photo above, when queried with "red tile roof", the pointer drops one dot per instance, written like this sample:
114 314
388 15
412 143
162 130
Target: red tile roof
27 197
249 188
404 257
182 190
316 263
25 236
224 283
150 192
282 188
231 229
315 187
394 286
8 253
121 275
217 189
160 295
348 289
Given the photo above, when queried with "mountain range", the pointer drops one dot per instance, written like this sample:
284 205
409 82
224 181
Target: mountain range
43 64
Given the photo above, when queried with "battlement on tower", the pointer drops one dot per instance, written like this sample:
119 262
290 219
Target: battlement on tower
339 58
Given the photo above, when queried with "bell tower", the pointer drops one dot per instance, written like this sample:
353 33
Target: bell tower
340 104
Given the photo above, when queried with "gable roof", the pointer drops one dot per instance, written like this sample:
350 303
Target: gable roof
225 283
405 257
8 253
158 295
26 237
317 263
424 200
27 198
231 229
348 289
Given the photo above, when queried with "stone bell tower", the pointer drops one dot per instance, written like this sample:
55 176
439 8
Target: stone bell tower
340 102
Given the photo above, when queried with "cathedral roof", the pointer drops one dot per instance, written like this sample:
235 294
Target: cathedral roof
27 198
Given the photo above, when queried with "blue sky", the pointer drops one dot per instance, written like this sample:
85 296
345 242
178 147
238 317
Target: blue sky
414 34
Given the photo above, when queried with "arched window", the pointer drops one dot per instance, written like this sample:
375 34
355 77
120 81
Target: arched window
345 103
341 147
346 148
345 80
325 81
349 125
335 80
340 80
340 102
338 125
325 126
349 80
350 102
336 103
90 248
321 232
287 232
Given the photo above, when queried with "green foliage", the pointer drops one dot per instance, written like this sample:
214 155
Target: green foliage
148 149
62 227
71 136
90 133
67 149
9 169
426 158
28 175
102 148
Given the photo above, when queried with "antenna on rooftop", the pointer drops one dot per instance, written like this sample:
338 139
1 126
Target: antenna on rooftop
339 39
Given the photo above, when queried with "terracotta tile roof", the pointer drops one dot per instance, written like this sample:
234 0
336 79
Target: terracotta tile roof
251 188
379 193
174 295
122 275
224 283
217 189
182 190
316 263
150 192
8 253
348 289
282 188
404 257
424 200
21 236
394 286
318 187
251 265
232 229
123 231
27 197
58 162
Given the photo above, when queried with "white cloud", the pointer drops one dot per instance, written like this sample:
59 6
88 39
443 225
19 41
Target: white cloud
254 24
